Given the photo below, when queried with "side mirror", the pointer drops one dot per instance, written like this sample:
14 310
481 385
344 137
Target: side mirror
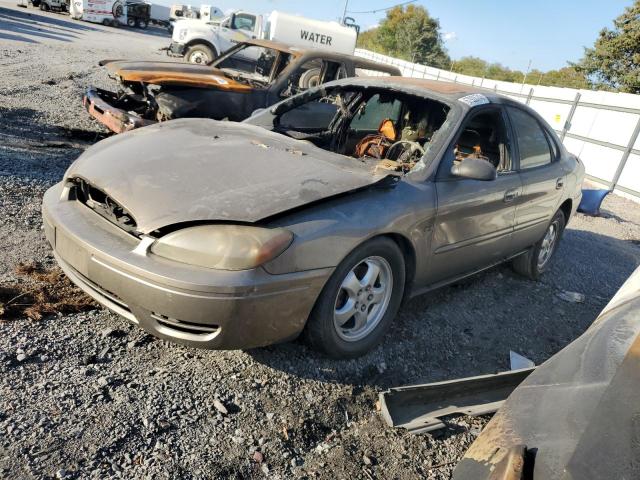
475 168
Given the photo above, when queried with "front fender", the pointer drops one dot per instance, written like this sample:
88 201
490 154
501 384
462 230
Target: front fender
325 233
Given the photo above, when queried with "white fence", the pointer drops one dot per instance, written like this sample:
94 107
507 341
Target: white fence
602 128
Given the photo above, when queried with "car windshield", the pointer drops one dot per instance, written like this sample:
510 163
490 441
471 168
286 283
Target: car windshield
251 64
389 129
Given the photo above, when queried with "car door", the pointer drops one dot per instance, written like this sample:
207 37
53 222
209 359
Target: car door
541 173
475 219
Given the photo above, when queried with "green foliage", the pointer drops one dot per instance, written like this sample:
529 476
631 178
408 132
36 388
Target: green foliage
564 77
409 33
614 60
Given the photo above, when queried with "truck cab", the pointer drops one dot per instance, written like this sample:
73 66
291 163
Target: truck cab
201 42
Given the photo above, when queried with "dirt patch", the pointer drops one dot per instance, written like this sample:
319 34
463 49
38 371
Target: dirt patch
44 291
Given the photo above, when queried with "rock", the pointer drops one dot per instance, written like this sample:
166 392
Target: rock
103 381
270 416
62 473
367 460
265 469
21 357
220 407
258 457
571 297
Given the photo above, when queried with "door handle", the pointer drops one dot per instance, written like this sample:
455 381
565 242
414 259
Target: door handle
559 183
510 195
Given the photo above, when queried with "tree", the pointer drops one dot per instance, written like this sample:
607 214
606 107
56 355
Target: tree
564 77
409 33
614 60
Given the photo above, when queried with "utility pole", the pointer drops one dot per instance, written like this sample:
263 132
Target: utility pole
344 13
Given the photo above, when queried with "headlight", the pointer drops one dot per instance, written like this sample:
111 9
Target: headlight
223 247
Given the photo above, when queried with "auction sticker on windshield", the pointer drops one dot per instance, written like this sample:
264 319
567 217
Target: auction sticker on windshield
474 99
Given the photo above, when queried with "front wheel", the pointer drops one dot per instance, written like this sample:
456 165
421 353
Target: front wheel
357 305
537 259
200 54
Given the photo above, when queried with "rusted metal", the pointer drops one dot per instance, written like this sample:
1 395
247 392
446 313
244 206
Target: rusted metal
114 119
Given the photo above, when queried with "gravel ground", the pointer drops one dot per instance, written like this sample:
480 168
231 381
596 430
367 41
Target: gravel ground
86 395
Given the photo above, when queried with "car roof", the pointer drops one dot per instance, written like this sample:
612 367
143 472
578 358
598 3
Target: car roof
359 62
448 92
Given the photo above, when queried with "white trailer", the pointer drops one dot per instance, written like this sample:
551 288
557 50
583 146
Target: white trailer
202 42
106 12
209 12
160 14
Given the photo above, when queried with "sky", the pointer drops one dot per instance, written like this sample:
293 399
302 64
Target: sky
512 32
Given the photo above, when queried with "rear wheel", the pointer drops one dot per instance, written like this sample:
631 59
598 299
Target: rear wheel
131 22
309 79
143 24
538 258
359 301
200 54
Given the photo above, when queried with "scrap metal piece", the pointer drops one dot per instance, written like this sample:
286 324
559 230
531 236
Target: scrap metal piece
418 408
592 200
579 411
518 362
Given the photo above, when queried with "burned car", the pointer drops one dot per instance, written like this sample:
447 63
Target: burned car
250 76
316 216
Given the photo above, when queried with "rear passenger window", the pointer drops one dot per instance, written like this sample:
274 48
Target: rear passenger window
532 140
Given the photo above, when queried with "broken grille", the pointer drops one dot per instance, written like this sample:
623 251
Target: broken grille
104 205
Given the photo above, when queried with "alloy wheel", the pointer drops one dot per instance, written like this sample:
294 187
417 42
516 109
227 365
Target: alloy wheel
363 298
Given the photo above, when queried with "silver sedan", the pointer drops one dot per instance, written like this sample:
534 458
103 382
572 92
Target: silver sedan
317 216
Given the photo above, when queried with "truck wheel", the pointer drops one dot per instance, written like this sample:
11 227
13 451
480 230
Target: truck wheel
200 54
309 79
143 24
359 301
131 22
35 3
106 22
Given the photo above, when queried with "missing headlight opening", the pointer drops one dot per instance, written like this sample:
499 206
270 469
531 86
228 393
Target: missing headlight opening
390 130
103 205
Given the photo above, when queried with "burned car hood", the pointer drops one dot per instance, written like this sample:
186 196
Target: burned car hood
204 170
173 73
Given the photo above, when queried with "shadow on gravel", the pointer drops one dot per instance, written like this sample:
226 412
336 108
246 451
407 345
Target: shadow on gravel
468 328
29 18
31 149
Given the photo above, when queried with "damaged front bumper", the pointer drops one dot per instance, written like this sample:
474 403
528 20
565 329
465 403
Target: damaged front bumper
98 103
195 306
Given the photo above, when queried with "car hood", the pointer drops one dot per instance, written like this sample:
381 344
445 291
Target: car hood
173 73
203 170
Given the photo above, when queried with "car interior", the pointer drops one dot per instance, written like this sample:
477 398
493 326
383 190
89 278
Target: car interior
484 136
390 129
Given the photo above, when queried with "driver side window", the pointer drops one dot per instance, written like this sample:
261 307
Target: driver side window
484 135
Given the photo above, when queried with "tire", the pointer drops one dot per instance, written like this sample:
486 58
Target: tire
537 259
309 79
106 22
132 22
143 24
200 54
338 300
